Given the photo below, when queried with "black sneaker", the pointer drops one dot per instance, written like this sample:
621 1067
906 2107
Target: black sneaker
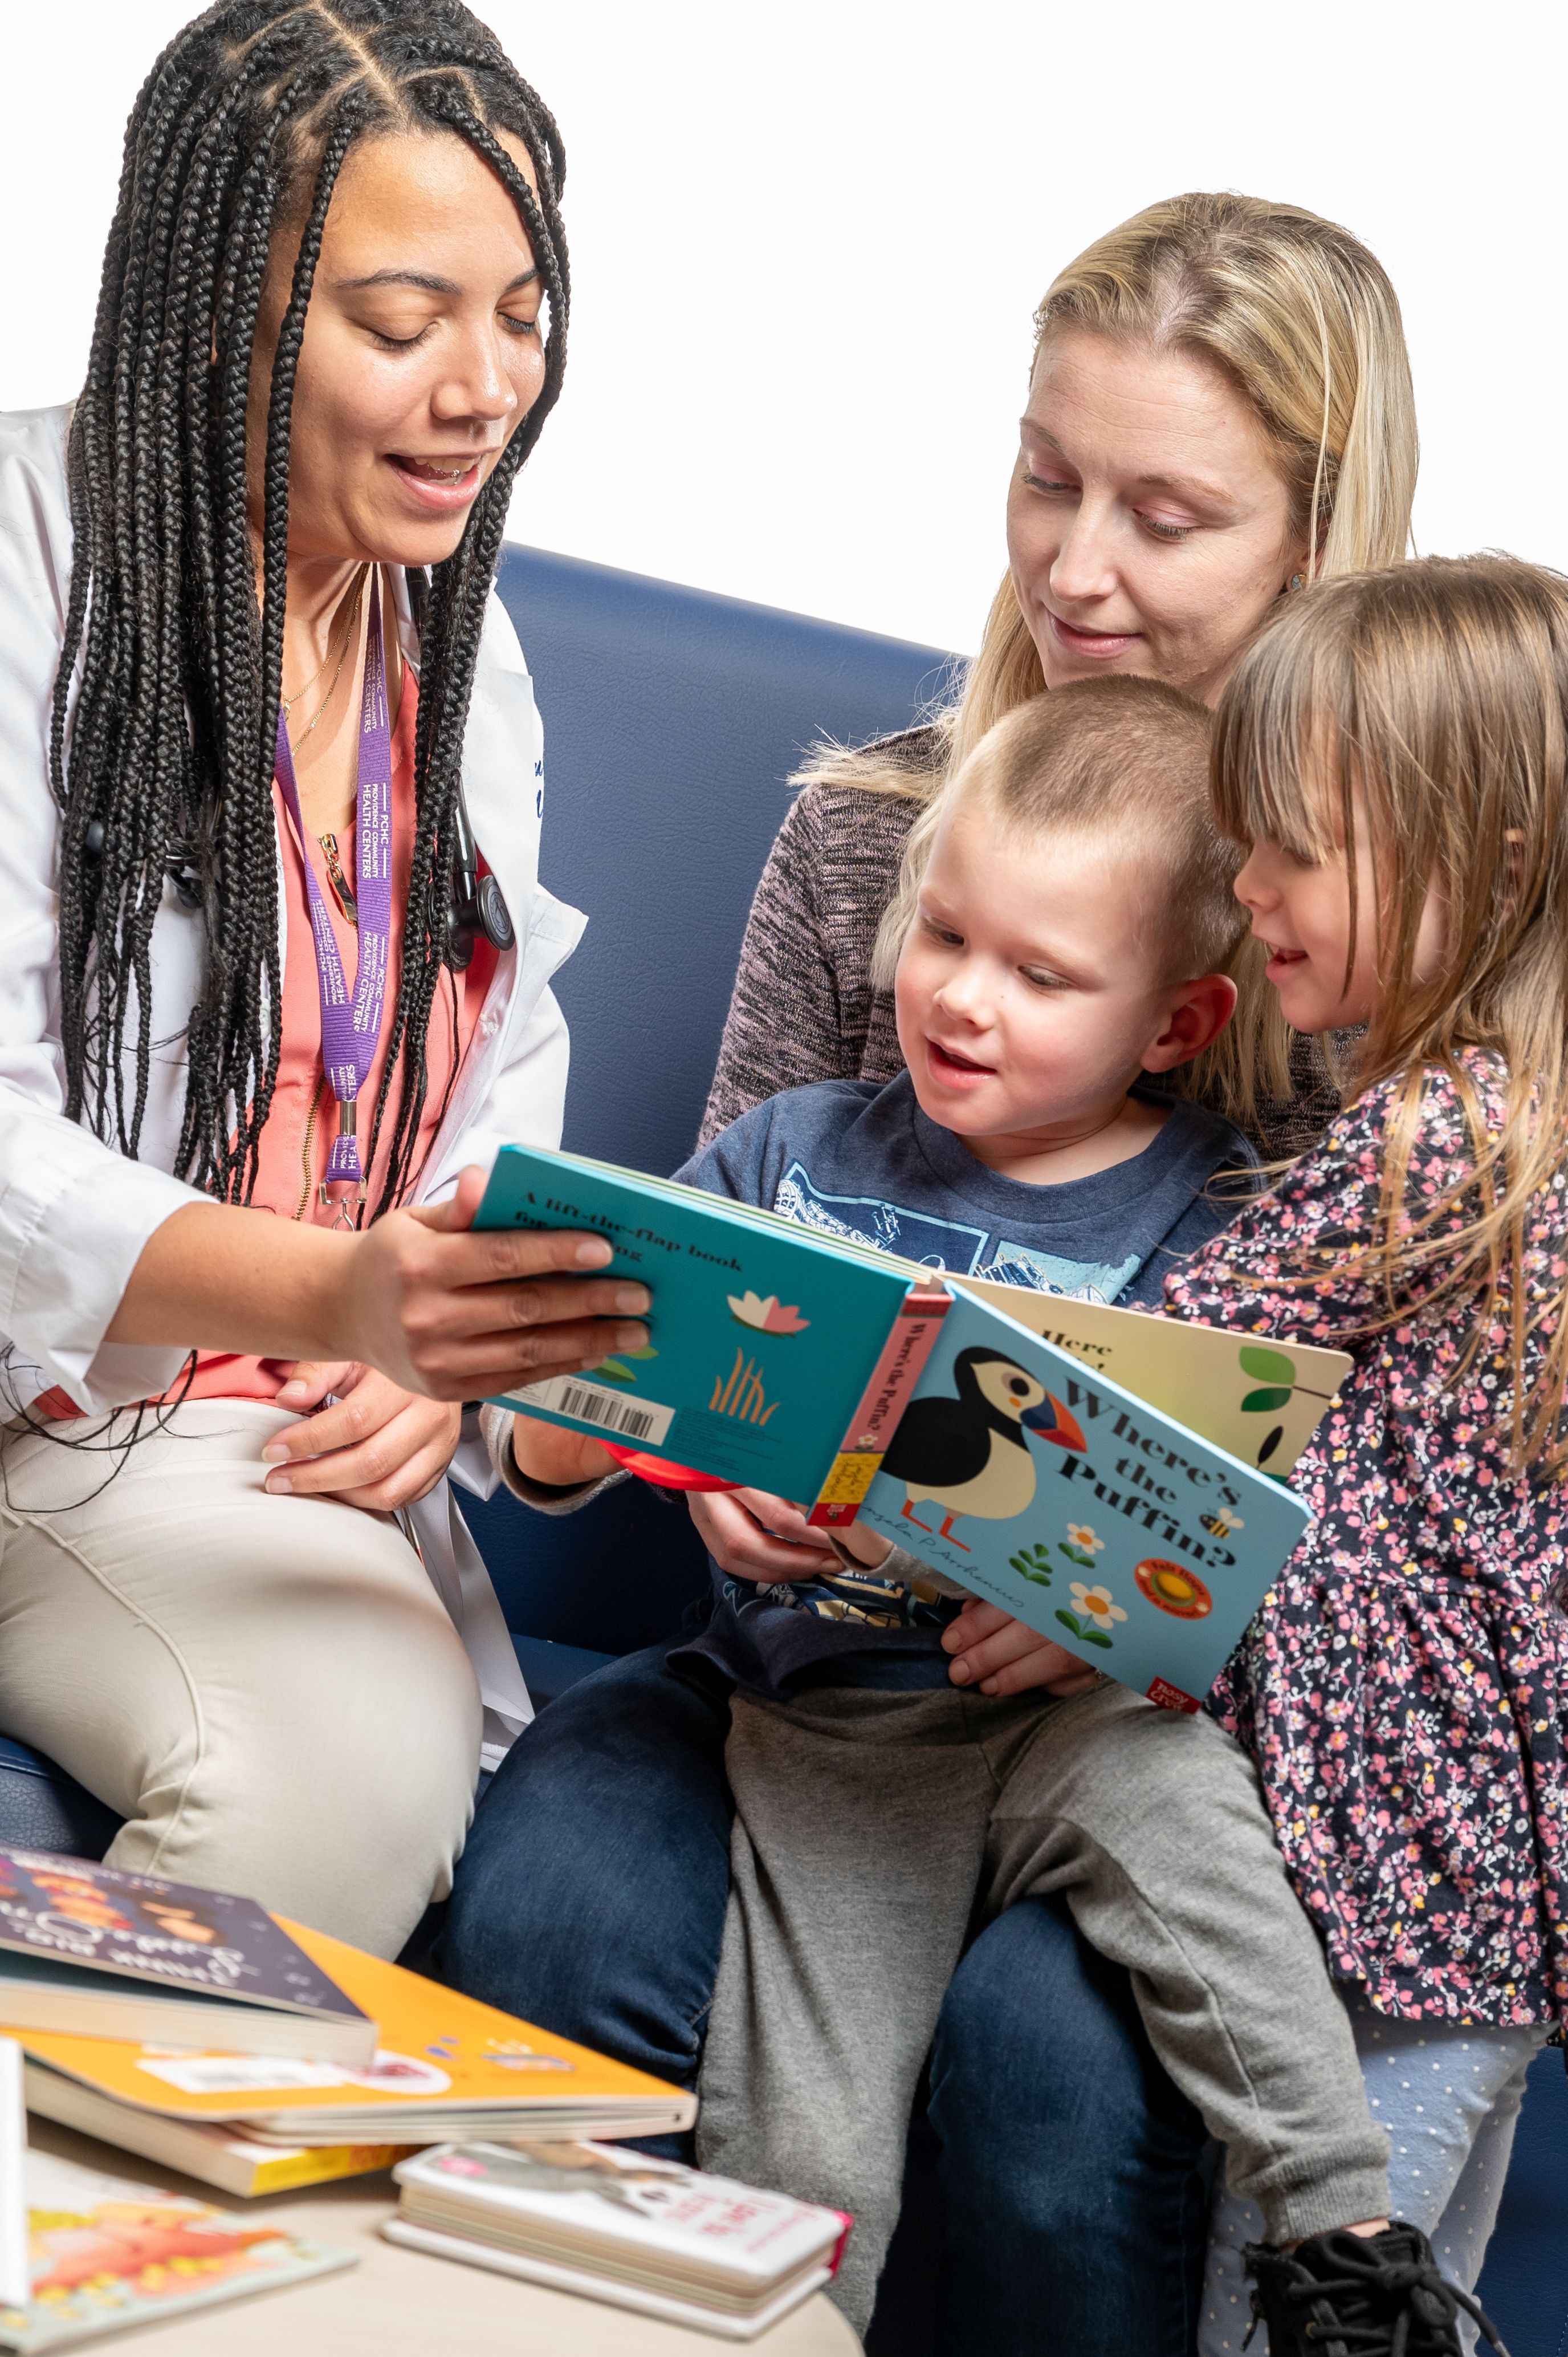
1344 2295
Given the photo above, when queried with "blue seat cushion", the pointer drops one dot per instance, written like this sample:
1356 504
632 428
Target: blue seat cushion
42 1808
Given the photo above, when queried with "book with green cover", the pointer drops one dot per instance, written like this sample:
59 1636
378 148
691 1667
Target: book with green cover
1114 1480
764 1339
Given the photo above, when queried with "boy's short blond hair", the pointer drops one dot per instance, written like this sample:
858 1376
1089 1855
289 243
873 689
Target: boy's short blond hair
1125 762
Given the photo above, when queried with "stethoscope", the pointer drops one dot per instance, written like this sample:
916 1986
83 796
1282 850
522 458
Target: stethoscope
477 905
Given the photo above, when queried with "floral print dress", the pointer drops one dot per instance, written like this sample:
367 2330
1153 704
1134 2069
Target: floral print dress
1402 1688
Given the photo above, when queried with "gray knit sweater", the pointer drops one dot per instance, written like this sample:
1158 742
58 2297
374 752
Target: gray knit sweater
804 1009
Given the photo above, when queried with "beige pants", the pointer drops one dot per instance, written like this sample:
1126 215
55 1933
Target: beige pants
268 1689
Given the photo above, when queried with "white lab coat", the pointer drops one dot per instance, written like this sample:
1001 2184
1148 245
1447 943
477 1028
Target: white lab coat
74 1212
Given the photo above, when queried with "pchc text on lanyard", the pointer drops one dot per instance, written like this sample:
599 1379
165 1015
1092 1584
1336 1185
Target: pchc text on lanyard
351 1028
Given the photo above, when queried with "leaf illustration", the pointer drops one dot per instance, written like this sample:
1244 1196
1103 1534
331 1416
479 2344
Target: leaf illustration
1268 1366
1041 1578
1264 1403
1084 1630
1271 1444
614 1368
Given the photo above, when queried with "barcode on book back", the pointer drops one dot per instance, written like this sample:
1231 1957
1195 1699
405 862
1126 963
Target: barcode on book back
631 1419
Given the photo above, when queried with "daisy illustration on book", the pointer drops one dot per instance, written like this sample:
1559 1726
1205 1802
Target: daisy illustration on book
1081 1545
1095 1615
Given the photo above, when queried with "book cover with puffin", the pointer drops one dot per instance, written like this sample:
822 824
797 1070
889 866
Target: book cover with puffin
1114 1478
1081 1509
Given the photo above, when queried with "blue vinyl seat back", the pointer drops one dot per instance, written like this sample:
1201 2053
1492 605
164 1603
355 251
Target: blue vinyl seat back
672 720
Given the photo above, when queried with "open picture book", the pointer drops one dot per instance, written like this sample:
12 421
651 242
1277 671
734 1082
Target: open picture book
1113 1479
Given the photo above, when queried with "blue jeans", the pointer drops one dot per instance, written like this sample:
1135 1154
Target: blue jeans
1056 2192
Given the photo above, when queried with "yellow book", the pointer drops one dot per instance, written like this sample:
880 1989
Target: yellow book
447 2067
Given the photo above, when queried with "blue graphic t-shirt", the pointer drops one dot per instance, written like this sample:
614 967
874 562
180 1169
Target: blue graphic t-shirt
852 1158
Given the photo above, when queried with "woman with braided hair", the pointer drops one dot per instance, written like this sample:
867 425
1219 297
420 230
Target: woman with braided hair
250 1058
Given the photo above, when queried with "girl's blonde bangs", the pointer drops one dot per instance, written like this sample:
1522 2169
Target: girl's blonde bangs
1274 751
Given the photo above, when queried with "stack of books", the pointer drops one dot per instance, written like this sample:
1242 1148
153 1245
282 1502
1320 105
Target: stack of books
197 2030
641 2234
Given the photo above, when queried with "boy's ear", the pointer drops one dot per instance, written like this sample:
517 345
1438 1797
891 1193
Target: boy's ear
1195 1015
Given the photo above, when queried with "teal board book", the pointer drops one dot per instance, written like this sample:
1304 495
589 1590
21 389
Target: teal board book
1078 1508
764 1339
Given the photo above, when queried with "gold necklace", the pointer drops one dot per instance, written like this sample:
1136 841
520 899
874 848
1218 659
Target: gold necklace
290 701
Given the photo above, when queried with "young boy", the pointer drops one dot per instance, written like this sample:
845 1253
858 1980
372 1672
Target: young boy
1073 925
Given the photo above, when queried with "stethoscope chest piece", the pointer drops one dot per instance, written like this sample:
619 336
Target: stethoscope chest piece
479 905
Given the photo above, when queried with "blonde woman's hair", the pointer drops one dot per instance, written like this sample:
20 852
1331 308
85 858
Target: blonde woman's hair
1123 762
1303 320
1433 698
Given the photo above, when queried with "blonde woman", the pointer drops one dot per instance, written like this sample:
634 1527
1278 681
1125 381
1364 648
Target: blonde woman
1219 410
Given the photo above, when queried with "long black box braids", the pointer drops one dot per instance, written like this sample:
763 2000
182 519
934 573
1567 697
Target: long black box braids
165 703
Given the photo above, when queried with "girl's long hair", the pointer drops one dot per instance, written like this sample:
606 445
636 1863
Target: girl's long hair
167 699
1302 319
1433 699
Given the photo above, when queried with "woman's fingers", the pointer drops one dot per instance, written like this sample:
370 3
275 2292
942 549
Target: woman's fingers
414 1479
377 1445
505 1314
1000 1656
492 1363
339 1426
310 1381
977 1619
403 1454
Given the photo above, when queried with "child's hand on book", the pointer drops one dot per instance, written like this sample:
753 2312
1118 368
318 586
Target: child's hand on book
556 1459
867 1547
1001 1656
754 1536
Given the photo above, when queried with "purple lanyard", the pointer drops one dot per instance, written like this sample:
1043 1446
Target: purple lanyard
349 1030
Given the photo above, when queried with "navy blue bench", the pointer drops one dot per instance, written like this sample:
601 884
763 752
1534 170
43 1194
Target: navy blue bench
673 719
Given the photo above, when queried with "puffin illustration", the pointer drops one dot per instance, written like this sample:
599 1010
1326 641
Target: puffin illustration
966 1453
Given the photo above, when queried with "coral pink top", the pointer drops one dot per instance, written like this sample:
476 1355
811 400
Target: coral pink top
297 1136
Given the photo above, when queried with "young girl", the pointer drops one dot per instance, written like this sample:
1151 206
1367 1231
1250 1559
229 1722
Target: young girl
1396 751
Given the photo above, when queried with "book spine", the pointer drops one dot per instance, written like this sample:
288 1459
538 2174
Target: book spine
892 1379
324 2162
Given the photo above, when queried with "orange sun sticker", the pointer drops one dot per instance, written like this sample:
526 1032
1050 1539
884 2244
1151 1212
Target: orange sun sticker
1173 1588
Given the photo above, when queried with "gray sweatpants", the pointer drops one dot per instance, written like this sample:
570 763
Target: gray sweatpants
872 1830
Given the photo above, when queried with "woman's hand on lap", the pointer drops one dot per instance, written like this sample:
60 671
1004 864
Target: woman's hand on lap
376 1446
754 1536
1001 1656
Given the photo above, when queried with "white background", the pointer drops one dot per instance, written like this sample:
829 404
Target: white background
807 239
